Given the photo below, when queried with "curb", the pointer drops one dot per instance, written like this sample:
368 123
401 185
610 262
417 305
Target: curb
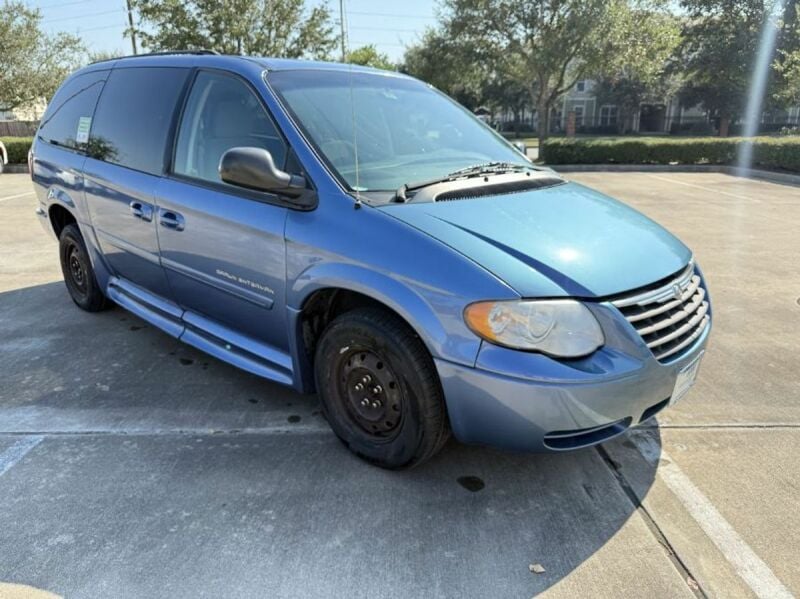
750 173
12 169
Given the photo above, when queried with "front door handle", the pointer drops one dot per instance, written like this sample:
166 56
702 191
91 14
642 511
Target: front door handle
171 220
141 210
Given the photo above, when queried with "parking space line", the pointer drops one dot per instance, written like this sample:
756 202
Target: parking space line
704 188
19 195
17 451
751 568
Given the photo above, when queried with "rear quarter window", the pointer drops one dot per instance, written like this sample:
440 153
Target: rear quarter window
68 117
132 124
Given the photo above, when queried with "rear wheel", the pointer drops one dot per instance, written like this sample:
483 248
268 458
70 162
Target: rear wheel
379 389
78 272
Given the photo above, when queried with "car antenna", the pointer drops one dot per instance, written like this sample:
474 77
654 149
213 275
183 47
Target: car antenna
357 205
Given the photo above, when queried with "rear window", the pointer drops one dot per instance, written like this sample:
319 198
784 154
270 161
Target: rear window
132 123
68 117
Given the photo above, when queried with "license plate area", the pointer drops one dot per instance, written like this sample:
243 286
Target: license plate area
686 379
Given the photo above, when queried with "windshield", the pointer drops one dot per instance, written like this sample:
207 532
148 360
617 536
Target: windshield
404 130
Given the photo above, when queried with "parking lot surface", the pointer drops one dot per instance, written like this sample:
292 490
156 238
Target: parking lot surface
132 465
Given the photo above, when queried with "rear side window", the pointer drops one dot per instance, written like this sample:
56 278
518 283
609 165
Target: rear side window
68 117
222 112
133 119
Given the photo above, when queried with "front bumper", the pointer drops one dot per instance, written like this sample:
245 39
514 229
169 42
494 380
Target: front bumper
528 402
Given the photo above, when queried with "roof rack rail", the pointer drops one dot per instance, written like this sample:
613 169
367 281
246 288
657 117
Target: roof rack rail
161 53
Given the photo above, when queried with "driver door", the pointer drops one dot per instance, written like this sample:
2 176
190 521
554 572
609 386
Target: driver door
222 247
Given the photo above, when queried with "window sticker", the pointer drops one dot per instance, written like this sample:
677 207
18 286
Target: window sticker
84 124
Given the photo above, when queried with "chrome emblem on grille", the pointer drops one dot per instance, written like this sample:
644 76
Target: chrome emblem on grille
677 292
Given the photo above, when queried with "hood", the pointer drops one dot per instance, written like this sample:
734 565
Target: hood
558 241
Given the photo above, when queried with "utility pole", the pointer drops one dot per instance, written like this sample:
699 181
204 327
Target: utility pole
342 35
130 22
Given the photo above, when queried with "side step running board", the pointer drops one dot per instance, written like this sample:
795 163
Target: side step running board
206 335
145 305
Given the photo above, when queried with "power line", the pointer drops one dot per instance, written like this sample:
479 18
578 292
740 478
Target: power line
389 14
83 16
121 25
365 43
63 4
387 29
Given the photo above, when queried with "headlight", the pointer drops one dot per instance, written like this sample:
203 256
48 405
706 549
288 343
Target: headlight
563 328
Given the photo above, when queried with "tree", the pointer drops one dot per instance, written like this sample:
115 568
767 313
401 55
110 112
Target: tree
789 71
104 55
279 28
786 91
645 41
545 45
369 56
721 40
449 65
32 63
503 95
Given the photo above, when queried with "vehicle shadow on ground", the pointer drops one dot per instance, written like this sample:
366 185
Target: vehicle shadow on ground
288 512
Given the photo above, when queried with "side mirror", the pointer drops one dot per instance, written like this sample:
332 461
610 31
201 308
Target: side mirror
523 149
254 168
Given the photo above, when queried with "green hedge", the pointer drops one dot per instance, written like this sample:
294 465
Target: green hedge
17 148
781 153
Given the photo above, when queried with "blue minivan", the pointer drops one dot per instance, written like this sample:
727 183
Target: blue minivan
355 233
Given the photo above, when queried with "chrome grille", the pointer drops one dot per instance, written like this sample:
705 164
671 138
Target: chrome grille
671 317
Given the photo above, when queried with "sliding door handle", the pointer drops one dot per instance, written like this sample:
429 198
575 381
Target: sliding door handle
141 210
171 220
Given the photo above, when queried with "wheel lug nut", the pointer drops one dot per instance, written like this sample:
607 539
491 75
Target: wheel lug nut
377 389
366 379
376 404
359 387
365 402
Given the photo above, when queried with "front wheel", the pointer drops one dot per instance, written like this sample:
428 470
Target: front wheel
379 389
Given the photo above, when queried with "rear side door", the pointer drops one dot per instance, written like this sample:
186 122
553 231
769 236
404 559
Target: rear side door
127 150
222 246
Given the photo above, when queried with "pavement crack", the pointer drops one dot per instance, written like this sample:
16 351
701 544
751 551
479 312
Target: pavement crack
655 530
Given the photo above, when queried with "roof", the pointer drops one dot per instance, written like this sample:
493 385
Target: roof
189 58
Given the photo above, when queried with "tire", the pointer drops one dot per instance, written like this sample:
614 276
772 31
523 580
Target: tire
78 272
397 419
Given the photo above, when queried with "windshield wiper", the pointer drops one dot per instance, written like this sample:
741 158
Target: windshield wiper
476 170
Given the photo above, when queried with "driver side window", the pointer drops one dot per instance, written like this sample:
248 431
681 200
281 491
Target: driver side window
222 112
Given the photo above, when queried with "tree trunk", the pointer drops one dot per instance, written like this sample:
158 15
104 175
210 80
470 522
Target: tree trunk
543 110
724 126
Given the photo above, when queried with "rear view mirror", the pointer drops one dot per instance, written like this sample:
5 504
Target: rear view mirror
254 168
523 149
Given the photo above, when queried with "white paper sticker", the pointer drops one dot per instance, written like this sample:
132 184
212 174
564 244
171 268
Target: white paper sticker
84 124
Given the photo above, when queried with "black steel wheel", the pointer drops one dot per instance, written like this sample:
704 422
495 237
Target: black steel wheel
78 272
374 399
379 389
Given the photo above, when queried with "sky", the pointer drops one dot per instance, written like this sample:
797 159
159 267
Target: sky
390 26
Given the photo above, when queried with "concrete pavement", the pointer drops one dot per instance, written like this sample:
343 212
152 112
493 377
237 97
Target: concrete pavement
132 465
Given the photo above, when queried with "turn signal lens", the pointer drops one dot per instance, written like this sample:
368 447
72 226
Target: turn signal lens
562 328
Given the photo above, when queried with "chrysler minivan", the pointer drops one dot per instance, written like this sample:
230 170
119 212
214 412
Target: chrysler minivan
355 233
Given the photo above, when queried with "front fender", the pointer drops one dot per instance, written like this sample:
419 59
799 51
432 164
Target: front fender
433 313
